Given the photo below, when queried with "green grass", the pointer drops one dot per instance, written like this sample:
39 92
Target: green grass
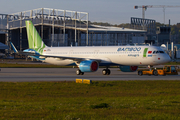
113 100
173 63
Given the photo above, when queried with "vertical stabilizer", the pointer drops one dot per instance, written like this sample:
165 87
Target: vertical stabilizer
34 40
13 47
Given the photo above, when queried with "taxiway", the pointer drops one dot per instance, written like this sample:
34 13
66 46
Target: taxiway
68 74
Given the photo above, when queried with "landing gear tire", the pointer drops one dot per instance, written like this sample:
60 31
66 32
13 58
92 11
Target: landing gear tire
106 72
155 72
82 73
140 73
78 72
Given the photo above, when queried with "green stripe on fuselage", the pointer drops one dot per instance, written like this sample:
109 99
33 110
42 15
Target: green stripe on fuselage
145 52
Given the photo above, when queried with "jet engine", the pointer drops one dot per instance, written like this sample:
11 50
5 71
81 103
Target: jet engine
89 66
128 68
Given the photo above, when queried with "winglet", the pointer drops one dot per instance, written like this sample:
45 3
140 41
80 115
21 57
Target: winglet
14 48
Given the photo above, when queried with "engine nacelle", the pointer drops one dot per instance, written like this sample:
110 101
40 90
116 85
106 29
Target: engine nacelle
128 68
89 66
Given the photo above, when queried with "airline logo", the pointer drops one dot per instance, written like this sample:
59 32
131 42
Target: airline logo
146 51
129 49
149 52
34 40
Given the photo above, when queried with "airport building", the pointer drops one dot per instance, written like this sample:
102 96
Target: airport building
64 28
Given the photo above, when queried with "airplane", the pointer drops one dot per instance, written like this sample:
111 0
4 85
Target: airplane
89 58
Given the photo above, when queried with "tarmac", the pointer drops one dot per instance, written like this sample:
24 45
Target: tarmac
69 74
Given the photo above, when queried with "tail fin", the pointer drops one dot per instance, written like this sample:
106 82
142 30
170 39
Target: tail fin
34 40
13 47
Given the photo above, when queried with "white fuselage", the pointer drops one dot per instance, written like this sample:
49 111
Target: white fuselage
108 55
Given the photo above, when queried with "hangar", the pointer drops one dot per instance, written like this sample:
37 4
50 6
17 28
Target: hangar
64 28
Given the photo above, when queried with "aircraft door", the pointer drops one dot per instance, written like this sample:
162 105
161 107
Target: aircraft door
71 53
96 53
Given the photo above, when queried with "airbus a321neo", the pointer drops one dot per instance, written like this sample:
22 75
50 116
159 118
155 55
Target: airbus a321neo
88 59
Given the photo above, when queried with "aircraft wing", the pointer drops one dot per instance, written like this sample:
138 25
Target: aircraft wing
77 59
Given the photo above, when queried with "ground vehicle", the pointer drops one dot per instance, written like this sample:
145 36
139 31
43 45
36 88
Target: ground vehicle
167 70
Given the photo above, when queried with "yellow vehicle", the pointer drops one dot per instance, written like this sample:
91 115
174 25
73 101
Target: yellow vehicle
167 70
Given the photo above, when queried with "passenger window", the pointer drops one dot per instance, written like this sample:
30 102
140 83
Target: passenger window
157 51
154 52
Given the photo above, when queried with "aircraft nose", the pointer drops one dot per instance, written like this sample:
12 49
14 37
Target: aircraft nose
167 59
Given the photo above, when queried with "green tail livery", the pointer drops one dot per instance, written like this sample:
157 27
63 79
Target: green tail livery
36 45
34 40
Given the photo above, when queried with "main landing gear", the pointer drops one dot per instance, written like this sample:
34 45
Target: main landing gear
106 71
78 72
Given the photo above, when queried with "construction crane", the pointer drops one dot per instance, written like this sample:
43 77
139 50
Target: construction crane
144 8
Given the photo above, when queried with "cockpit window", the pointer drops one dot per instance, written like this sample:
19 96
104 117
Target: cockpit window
155 52
161 51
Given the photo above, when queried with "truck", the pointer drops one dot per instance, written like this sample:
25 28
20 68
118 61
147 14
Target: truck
167 70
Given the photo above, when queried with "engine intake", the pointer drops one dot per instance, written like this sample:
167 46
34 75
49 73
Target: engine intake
89 66
128 68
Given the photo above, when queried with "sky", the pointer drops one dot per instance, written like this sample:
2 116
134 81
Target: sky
111 11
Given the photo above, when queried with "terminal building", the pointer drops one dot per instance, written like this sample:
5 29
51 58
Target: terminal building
64 28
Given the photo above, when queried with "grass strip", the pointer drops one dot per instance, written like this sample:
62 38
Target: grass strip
112 100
